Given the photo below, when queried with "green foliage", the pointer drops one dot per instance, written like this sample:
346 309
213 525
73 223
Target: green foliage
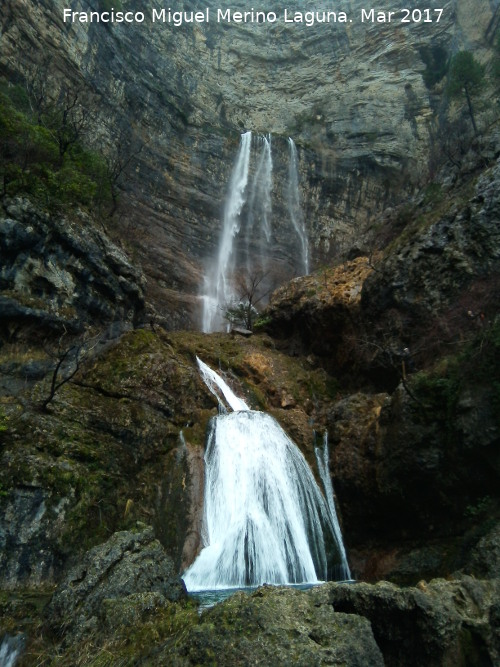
108 5
495 67
33 163
439 394
436 62
466 77
480 507
16 93
3 428
241 314
332 387
262 321
477 364
466 74
433 193
3 421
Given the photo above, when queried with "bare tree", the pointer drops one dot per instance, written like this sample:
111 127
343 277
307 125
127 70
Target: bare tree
64 109
251 289
38 82
118 160
456 140
68 357
69 122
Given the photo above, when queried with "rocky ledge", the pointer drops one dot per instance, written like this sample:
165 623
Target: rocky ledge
59 274
106 611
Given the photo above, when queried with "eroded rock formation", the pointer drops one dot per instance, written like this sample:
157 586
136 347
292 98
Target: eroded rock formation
360 114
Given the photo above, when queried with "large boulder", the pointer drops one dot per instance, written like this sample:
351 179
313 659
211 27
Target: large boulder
440 623
128 564
484 558
279 626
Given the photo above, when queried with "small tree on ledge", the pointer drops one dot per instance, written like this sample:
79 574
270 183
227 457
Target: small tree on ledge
251 288
466 77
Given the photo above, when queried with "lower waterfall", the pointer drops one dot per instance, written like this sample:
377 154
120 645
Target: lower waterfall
265 518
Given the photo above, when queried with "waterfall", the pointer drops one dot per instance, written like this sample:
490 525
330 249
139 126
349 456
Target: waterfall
265 518
294 206
322 457
246 247
10 650
260 207
218 287
217 386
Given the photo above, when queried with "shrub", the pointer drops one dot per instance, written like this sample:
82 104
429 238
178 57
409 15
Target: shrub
31 161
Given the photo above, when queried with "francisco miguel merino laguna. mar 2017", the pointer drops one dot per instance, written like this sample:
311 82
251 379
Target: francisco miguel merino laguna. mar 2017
178 18
308 18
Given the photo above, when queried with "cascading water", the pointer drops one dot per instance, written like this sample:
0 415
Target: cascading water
11 649
265 519
294 205
218 287
260 208
246 247
322 457
217 386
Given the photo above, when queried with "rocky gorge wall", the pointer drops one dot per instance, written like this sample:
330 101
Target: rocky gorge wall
360 114
394 353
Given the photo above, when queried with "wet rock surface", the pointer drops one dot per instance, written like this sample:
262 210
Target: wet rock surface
58 275
437 623
28 529
129 563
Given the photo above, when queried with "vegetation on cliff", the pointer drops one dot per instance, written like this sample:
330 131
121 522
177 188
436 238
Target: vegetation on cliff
42 154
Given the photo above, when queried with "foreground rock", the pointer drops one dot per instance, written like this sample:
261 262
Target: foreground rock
439 623
280 626
436 624
128 564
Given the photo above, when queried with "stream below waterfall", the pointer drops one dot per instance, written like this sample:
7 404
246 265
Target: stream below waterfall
265 521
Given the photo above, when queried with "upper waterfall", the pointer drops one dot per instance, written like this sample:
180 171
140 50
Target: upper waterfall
260 208
218 287
295 207
254 233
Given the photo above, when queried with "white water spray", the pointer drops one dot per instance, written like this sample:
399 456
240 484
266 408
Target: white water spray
218 287
265 519
294 205
10 650
260 207
218 386
324 473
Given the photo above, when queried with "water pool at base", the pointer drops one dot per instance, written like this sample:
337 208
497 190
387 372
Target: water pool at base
207 599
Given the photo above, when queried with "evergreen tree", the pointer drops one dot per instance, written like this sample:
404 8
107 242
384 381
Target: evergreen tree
466 77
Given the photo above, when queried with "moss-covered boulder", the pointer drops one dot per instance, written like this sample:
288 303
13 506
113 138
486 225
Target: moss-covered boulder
128 564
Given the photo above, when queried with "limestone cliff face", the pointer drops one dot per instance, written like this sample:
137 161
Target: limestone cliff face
352 97
415 338
58 275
